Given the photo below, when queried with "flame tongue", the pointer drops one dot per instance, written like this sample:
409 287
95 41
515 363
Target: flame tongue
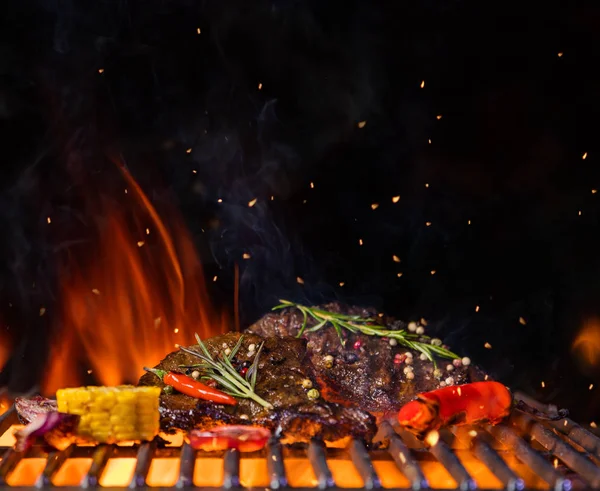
130 300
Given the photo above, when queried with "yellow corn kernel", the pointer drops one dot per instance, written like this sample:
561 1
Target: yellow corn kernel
113 414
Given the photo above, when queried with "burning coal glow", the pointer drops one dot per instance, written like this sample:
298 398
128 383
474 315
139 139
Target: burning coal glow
126 306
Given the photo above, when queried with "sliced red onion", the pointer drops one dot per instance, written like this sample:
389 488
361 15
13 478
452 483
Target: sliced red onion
57 429
29 407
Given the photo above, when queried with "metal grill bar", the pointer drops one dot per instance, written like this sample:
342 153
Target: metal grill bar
576 433
403 458
450 461
362 462
558 448
231 469
484 452
53 463
563 441
316 455
10 459
186 466
142 465
529 456
99 461
278 479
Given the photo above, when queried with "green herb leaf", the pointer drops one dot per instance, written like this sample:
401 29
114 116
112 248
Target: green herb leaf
222 371
357 324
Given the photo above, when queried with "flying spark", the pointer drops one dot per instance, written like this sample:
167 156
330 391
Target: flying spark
199 31
360 242
140 243
487 345
101 70
342 283
428 224
423 84
593 425
300 280
594 191
42 311
579 213
433 271
477 308
584 156
395 258
543 384
522 321
432 438
176 330
220 200
312 185
438 117
259 86
147 231
560 54
252 202
374 206
95 291
215 278
468 222
591 386
189 150
399 275
429 141
49 220
362 124
395 199
246 255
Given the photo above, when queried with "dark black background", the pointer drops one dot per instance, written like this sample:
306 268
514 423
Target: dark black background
506 156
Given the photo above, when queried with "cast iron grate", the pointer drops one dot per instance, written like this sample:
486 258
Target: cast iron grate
562 454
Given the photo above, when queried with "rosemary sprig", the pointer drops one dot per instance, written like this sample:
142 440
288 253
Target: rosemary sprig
357 324
222 371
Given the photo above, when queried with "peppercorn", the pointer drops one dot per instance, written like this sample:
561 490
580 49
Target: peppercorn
167 389
313 394
244 371
357 344
307 383
328 361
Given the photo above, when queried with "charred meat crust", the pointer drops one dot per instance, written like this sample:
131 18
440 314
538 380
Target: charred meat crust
283 368
364 371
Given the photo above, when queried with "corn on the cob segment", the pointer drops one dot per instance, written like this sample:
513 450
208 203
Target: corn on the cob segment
113 414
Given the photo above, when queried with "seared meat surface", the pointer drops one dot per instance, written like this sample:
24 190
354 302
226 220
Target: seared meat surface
367 371
283 368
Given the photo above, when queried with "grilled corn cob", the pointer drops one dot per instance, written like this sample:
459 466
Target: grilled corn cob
112 414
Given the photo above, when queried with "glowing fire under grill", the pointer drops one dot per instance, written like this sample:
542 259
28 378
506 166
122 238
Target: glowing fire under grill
524 453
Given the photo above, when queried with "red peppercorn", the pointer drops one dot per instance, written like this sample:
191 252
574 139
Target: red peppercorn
210 382
398 359
357 344
243 371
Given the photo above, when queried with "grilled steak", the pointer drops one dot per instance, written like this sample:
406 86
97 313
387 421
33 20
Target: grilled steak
283 368
368 371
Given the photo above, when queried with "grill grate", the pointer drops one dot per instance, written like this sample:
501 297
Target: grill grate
538 445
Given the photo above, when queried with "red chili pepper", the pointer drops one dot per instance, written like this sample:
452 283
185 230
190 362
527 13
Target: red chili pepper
191 387
472 403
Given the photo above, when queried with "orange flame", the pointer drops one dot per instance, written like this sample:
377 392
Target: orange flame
586 346
5 346
129 305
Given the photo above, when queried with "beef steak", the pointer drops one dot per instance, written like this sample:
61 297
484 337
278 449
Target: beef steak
283 368
367 371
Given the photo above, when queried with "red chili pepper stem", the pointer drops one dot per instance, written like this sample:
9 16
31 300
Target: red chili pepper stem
157 371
